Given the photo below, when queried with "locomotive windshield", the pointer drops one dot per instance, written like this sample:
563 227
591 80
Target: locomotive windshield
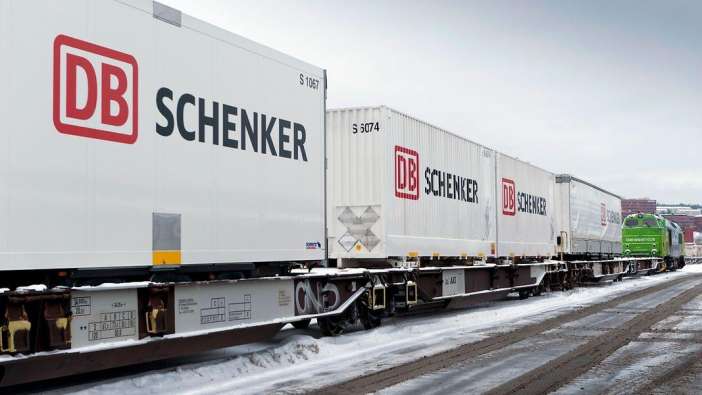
631 222
650 222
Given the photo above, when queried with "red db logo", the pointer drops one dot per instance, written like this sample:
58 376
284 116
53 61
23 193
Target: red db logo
509 206
406 173
95 91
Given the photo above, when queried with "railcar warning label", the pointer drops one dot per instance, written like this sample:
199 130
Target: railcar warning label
214 312
230 304
454 282
186 306
103 316
80 305
113 325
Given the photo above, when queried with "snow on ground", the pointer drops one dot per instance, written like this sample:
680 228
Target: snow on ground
697 268
487 371
296 361
630 369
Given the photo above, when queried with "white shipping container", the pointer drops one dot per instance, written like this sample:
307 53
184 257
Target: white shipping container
135 135
526 224
399 187
693 250
590 219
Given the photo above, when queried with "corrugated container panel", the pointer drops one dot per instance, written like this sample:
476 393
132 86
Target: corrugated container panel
563 217
10 85
355 159
356 174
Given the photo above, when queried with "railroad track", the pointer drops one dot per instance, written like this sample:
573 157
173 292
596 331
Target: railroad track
541 379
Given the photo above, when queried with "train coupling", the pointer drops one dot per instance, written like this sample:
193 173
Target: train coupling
15 333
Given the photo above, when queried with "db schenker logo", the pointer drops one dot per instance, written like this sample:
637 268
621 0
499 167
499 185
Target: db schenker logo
509 201
406 173
95 91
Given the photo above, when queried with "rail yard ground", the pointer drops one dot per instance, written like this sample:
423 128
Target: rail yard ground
640 335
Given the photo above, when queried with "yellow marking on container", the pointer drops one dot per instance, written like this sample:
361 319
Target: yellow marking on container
413 254
358 247
481 254
436 254
166 257
464 254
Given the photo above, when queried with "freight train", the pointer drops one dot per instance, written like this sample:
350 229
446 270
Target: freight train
652 235
172 188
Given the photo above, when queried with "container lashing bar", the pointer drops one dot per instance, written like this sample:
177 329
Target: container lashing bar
15 333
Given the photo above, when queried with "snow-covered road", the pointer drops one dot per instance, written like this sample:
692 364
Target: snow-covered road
625 370
298 361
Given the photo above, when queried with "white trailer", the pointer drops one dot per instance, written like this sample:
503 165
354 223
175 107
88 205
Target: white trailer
590 219
402 188
526 210
135 135
693 250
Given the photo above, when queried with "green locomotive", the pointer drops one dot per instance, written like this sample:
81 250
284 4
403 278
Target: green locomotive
645 235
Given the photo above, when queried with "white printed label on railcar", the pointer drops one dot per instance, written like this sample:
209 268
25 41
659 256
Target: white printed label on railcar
229 304
454 282
103 316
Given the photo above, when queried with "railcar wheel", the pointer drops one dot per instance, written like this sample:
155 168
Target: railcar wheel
302 324
332 326
523 294
537 290
369 319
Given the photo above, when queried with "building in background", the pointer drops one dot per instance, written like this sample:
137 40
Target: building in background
689 217
633 206
685 221
689 235
678 210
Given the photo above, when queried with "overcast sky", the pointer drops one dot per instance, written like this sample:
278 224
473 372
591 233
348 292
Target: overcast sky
609 91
